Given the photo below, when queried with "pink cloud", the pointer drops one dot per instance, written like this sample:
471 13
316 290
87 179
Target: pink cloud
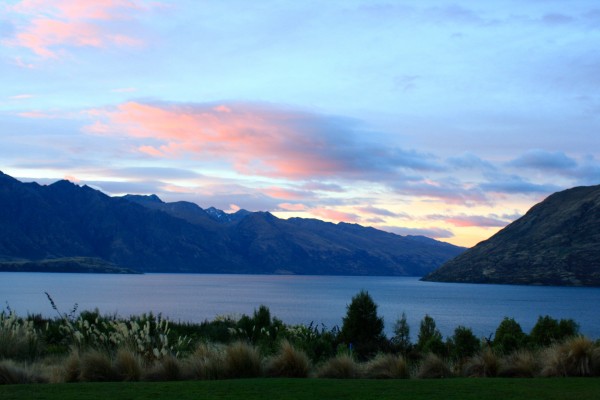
256 140
292 207
52 25
335 215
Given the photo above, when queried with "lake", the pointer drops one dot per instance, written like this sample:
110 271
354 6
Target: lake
301 299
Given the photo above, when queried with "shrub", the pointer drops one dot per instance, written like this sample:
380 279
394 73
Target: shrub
520 364
387 366
341 366
433 366
72 367
484 364
289 362
96 366
242 361
362 328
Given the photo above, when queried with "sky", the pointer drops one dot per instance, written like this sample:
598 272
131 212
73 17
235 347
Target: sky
448 119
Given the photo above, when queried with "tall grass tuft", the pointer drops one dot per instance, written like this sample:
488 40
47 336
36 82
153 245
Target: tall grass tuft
72 367
242 361
341 366
483 365
207 362
96 366
166 369
289 362
11 373
433 367
519 364
18 338
387 366
128 365
577 356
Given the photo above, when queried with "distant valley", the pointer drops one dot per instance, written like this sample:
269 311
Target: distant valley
66 227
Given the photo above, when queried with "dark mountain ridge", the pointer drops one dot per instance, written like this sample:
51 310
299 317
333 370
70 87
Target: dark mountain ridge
143 233
557 242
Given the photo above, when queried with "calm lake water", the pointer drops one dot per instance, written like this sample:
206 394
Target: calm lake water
301 299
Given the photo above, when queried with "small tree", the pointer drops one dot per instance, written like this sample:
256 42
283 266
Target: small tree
362 328
509 336
430 338
463 343
401 337
547 330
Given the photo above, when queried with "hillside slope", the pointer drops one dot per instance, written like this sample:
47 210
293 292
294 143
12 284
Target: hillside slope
556 243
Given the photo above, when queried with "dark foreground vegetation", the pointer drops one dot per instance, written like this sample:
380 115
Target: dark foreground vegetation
89 347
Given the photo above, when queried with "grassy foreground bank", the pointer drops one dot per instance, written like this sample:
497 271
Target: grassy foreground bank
309 389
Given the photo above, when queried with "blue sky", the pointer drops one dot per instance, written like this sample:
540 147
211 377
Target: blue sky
443 118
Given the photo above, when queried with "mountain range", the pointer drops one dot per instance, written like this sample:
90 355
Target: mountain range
65 225
557 242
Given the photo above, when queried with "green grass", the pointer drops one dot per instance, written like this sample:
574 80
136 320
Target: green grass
248 389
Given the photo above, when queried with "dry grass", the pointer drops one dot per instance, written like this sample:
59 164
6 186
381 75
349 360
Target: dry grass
387 366
577 356
242 361
11 373
128 365
520 364
340 367
289 362
484 365
167 369
433 367
72 367
96 366
206 363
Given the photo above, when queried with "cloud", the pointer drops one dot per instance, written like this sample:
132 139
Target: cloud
463 220
259 139
469 160
514 184
436 233
544 160
335 215
449 190
292 207
380 211
47 27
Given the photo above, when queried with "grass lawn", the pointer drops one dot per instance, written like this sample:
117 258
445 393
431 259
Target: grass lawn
310 389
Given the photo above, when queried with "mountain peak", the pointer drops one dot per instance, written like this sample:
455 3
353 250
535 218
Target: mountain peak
151 198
